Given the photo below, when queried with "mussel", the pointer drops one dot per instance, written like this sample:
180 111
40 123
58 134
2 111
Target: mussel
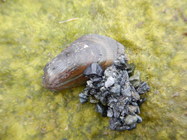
66 69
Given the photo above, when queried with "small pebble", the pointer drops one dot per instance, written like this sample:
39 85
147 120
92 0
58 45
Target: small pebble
93 70
130 119
101 109
143 88
109 82
116 89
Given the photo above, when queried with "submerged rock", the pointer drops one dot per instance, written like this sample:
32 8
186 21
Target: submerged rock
116 93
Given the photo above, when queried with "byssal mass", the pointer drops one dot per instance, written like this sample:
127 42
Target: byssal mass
116 93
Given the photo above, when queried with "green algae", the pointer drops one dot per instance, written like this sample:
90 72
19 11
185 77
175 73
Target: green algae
31 35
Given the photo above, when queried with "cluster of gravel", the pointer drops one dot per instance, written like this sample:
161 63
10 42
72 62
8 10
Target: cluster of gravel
116 93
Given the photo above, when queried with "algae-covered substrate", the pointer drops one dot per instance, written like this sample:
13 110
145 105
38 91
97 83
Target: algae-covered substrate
32 32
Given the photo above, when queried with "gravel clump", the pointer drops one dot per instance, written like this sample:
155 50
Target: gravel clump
116 93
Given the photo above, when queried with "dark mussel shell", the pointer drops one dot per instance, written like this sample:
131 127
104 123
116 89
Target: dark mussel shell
66 69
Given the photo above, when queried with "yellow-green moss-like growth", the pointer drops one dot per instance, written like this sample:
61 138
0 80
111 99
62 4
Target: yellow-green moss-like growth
32 32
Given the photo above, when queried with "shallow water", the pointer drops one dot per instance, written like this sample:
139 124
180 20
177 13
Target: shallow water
31 35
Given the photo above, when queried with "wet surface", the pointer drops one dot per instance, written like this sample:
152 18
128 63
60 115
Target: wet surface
31 36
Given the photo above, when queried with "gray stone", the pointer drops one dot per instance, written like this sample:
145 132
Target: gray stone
83 100
93 100
124 78
116 89
133 109
110 71
135 80
89 83
130 69
101 109
109 82
121 61
139 119
126 90
135 95
82 95
132 126
102 89
143 88
93 70
109 113
130 119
